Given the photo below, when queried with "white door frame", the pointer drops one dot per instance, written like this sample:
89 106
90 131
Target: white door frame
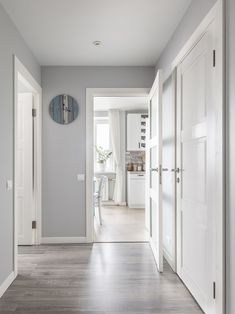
90 94
155 141
216 14
172 260
20 70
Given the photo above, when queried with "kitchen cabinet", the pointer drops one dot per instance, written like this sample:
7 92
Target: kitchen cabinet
136 131
136 189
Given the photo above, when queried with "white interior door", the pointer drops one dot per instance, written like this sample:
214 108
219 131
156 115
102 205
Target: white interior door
196 154
168 163
154 175
24 168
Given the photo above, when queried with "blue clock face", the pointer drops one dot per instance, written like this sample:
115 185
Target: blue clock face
63 109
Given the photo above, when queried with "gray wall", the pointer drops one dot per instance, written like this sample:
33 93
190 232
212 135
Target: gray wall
64 146
193 16
11 43
230 156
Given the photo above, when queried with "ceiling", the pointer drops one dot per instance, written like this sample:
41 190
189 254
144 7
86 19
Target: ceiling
122 103
61 32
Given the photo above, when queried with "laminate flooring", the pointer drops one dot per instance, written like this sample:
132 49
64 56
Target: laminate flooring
103 278
121 224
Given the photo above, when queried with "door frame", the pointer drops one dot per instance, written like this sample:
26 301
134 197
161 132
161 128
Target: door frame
172 260
157 142
21 70
90 94
216 14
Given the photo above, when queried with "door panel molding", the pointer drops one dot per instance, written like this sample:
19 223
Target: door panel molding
198 133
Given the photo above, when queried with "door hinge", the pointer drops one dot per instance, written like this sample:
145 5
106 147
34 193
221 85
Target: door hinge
214 290
34 224
34 112
214 58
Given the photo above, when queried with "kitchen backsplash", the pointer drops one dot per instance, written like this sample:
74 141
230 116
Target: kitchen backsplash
135 157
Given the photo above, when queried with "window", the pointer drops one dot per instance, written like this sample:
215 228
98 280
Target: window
102 135
102 139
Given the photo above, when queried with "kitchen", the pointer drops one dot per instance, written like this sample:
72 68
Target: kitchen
120 133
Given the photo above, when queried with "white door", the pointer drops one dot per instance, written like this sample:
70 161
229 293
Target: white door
196 153
168 164
154 170
24 168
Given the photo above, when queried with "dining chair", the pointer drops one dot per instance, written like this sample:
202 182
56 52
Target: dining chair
98 196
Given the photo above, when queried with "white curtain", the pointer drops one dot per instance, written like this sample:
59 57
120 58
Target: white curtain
115 132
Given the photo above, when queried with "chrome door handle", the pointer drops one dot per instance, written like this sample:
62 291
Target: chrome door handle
165 169
177 170
154 169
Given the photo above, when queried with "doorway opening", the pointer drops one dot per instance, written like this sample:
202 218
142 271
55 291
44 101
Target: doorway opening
120 126
27 159
153 209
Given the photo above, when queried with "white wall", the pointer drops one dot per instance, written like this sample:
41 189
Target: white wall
63 197
11 43
230 123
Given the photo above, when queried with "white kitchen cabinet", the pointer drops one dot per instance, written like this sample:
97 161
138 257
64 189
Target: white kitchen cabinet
136 131
136 189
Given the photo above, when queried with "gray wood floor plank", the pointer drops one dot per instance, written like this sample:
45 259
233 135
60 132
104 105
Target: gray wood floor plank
101 278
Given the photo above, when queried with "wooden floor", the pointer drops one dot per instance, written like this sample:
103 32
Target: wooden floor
121 224
103 278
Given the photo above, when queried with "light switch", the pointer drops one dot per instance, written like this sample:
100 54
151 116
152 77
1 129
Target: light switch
81 177
9 185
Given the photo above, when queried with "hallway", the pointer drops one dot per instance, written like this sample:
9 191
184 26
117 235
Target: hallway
103 278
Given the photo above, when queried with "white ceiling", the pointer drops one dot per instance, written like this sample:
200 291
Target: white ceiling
61 32
122 103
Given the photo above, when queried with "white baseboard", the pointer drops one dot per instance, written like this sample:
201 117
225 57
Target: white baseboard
169 259
63 240
6 283
141 206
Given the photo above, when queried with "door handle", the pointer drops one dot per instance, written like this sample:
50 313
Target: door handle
165 169
154 169
159 170
177 170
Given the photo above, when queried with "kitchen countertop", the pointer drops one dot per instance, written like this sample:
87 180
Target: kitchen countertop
142 172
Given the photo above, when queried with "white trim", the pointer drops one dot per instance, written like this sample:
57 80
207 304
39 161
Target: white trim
19 68
63 240
172 258
136 206
216 14
90 94
6 283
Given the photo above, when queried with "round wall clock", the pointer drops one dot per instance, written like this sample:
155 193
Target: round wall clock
63 109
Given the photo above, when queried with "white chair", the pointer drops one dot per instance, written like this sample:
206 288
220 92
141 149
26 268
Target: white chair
98 196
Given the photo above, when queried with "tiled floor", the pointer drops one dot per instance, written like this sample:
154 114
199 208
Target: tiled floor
121 224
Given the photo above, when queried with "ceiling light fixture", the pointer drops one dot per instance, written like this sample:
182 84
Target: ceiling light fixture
97 43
